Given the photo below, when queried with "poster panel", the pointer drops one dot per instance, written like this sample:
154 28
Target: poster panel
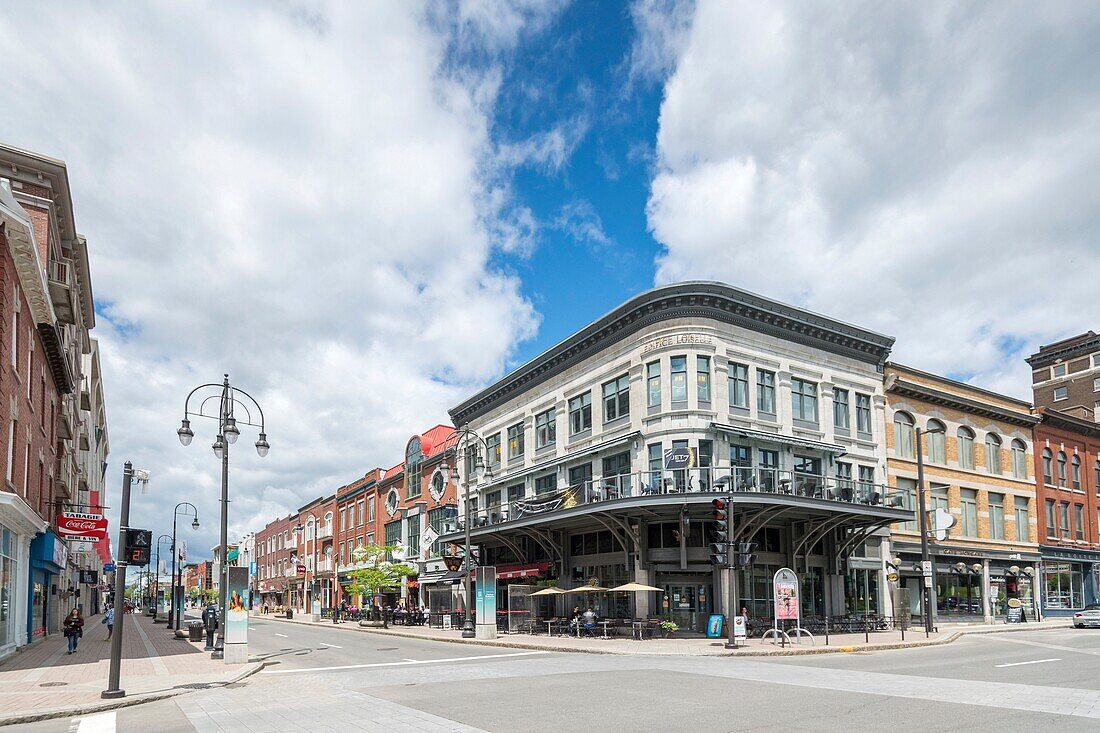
236 615
785 584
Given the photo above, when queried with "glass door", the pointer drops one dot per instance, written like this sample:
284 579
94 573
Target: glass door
687 604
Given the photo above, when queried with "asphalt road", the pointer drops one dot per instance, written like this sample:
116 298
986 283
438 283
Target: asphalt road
322 679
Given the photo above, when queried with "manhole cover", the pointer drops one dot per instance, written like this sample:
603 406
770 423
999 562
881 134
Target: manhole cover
53 684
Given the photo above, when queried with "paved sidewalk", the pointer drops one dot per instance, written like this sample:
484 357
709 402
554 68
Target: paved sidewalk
691 646
44 681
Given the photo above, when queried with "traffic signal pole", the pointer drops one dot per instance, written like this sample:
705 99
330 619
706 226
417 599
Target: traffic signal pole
113 679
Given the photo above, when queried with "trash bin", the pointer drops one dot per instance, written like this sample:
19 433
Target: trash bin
289 613
194 631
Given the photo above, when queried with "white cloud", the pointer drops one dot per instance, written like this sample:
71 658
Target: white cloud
295 194
924 170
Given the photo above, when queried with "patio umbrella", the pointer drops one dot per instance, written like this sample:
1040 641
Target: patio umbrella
636 588
588 589
551 591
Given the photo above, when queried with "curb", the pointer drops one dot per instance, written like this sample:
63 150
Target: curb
949 637
253 668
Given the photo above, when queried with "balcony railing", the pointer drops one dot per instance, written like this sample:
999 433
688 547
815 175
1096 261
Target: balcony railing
324 566
746 480
324 531
291 544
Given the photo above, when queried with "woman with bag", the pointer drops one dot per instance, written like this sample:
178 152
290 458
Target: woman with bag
74 628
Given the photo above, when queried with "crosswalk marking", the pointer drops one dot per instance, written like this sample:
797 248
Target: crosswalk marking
405 663
101 723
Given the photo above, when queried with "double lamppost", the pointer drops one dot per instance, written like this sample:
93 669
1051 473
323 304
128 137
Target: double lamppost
300 530
175 610
468 445
228 432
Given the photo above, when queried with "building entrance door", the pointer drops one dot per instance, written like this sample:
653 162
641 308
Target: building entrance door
688 605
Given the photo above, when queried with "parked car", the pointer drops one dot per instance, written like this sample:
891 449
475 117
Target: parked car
1087 616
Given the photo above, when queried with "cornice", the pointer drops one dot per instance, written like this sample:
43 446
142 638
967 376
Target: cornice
1057 419
1068 351
904 388
713 300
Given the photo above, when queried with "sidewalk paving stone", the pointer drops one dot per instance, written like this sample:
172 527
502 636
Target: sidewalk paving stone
44 681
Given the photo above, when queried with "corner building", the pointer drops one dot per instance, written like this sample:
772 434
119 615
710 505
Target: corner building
782 409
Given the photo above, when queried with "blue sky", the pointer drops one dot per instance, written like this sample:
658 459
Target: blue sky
365 212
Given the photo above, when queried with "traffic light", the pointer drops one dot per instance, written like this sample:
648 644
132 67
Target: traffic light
745 556
720 548
138 546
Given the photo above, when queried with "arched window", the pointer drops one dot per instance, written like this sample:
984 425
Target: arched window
993 453
328 521
1019 459
1075 473
904 436
1048 467
966 447
936 442
1061 469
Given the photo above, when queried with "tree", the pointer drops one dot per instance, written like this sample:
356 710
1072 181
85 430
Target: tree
378 573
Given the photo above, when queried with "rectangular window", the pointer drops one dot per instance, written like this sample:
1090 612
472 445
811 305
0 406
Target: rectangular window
840 410
580 413
343 518
907 487
1096 384
656 457
863 413
616 465
545 484
937 497
616 398
1079 521
740 456
702 378
580 475
1063 520
1061 393
678 369
739 385
492 450
361 506
546 429
1022 519
765 391
653 383
515 493
804 400
1051 531
370 510
997 516
11 451
1058 370
867 481
515 441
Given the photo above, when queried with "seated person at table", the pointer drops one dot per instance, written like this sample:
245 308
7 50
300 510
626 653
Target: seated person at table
589 621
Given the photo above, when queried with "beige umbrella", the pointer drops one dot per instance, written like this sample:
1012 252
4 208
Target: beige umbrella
588 589
636 588
551 591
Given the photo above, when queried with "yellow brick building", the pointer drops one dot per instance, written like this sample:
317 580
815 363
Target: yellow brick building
978 466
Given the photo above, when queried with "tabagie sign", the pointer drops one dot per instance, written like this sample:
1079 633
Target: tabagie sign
77 527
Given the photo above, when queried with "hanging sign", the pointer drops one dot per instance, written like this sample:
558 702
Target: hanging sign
183 550
679 458
82 527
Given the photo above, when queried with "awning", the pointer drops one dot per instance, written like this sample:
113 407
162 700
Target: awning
441 577
531 570
781 439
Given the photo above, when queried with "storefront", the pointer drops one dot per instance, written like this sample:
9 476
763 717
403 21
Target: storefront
1069 580
18 524
49 556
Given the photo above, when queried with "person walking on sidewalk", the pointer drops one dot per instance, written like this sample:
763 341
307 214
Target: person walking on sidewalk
74 629
109 619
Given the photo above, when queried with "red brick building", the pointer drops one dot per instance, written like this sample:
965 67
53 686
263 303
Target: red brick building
313 527
276 546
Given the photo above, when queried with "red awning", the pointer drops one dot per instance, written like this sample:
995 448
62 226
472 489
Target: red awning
511 572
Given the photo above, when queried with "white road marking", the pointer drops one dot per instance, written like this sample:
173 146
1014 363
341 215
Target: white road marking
282 635
400 664
101 723
251 628
1033 661
1044 645
410 660
334 646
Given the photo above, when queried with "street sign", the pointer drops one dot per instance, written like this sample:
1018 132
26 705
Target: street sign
301 569
137 547
926 568
108 567
942 521
89 577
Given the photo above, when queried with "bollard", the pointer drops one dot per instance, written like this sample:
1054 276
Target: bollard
826 629
866 633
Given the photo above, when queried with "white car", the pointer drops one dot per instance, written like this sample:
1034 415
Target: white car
1087 616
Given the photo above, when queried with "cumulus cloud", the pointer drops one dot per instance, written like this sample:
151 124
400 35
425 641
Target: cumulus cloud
292 193
925 170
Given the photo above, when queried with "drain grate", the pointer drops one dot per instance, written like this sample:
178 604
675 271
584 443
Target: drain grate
53 684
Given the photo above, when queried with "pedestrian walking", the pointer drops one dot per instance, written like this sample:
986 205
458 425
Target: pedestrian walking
74 629
109 619
336 614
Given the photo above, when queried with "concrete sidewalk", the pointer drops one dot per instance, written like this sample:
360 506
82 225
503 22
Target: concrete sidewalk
45 682
691 646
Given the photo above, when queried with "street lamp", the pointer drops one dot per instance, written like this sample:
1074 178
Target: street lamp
228 402
468 445
929 579
305 581
175 613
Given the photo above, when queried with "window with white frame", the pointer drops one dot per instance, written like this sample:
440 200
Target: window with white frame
739 385
841 414
702 378
996 516
1061 393
1061 470
968 498
1048 467
1058 370
1019 459
616 398
765 391
993 453
803 400
1075 473
936 441
863 413
904 435
965 444
653 383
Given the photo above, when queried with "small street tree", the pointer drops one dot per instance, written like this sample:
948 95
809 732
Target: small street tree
377 574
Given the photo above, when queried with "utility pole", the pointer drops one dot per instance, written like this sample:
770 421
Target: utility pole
113 679
927 576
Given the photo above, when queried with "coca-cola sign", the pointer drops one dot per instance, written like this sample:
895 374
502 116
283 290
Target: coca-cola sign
82 527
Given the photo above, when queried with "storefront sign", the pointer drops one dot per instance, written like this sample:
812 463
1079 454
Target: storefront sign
301 569
714 626
85 527
740 627
683 338
1015 613
679 459
785 592
90 577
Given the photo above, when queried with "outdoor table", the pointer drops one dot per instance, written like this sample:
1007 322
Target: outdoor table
604 624
550 624
637 628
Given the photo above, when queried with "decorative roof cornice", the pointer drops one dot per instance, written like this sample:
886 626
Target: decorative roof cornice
904 388
1067 349
1064 421
697 299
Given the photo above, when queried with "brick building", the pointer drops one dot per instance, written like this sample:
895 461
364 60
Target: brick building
1065 376
54 427
358 524
1067 467
979 467
276 557
314 529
